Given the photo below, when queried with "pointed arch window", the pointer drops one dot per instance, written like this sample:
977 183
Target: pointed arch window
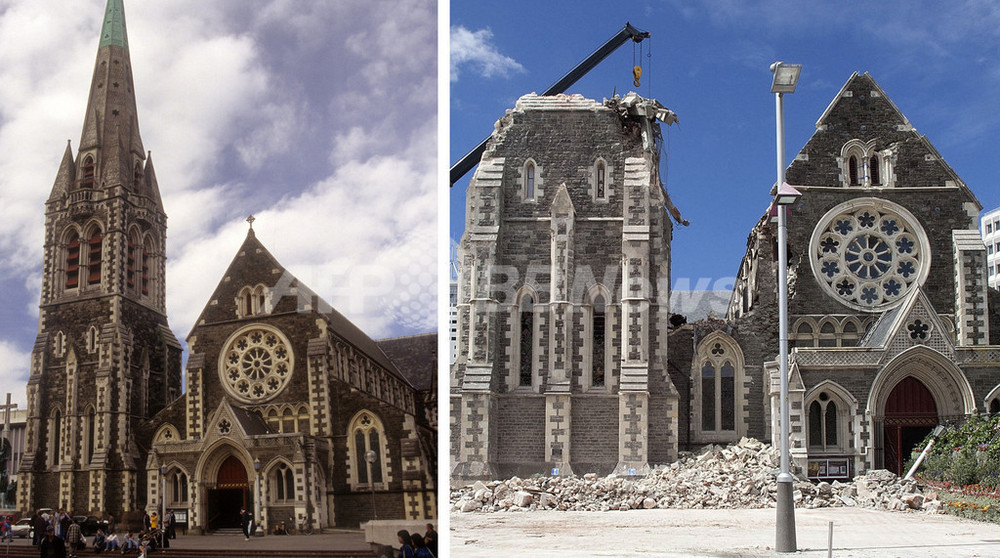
73 262
824 434
60 344
718 396
529 181
804 335
995 406
303 420
55 441
273 422
92 339
88 172
367 437
602 187
526 321
287 421
147 248
94 258
865 166
282 484
828 335
599 343
251 301
130 264
91 428
179 487
849 338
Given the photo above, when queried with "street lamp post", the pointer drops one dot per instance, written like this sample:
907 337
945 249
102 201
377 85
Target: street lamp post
258 531
786 76
163 500
370 457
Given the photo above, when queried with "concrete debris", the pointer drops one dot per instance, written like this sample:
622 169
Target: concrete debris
737 476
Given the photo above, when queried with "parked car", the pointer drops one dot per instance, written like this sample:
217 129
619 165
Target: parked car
89 524
23 528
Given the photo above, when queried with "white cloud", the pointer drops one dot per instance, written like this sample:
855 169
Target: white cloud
474 48
14 373
363 239
319 118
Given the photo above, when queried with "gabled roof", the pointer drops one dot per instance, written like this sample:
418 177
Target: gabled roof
254 265
862 111
914 321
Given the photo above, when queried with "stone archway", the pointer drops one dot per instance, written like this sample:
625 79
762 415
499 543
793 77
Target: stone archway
910 414
231 493
225 481
913 392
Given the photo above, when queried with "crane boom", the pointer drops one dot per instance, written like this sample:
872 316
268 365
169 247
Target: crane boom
471 159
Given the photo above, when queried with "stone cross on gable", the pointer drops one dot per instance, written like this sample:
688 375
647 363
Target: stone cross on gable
250 220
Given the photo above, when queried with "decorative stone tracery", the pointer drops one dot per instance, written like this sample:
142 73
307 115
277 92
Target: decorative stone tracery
257 363
868 253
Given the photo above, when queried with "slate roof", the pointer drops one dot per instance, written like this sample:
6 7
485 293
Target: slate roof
415 356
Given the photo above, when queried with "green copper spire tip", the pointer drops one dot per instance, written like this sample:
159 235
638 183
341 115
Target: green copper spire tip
113 31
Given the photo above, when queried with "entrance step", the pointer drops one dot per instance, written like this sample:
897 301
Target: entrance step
19 551
231 531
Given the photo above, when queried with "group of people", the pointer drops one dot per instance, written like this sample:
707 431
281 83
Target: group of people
416 545
58 536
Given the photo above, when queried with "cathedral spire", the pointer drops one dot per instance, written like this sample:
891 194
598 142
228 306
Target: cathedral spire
113 31
111 106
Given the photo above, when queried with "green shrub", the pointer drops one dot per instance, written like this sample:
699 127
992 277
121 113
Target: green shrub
968 454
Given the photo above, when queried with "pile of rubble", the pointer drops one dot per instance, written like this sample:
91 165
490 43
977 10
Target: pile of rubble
738 476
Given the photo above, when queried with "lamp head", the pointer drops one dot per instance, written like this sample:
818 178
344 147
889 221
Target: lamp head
787 195
256 464
786 77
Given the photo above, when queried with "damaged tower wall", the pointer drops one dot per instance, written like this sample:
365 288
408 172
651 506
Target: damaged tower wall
564 274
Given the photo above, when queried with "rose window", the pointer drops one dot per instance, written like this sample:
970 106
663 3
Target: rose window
256 364
869 252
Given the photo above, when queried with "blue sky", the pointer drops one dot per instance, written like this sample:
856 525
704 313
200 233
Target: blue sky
940 64
320 118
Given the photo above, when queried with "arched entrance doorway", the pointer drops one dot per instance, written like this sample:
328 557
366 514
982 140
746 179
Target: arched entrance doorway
910 414
231 492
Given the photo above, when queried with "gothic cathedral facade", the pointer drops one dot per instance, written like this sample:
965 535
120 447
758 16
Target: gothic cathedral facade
289 409
563 327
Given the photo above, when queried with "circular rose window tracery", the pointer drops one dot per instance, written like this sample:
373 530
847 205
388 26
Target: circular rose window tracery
869 252
256 364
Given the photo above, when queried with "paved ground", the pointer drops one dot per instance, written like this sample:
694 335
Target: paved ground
337 540
730 533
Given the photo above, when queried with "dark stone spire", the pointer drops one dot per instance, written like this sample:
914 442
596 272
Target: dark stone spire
111 105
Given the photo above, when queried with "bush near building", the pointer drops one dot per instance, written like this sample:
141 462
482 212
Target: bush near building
964 465
965 455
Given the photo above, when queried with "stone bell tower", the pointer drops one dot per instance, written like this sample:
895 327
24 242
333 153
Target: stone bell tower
104 359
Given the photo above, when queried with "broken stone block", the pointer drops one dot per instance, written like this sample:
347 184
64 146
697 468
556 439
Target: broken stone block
914 501
523 499
471 505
